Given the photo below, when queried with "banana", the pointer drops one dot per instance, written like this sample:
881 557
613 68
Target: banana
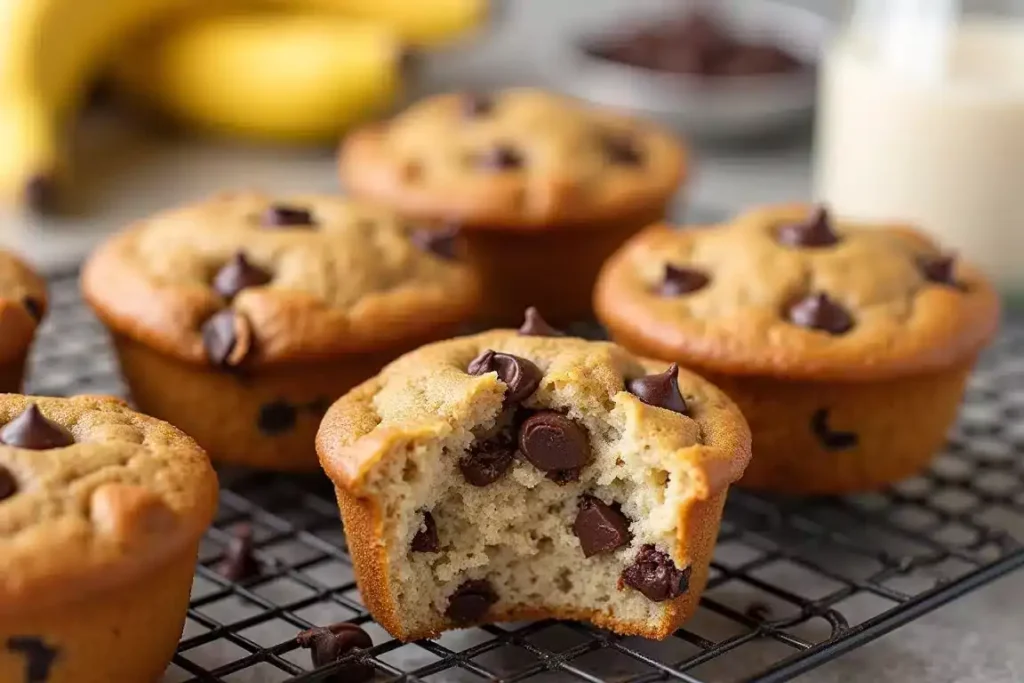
423 23
278 77
49 52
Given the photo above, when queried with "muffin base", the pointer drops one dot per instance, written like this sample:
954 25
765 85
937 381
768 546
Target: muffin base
224 411
552 268
127 634
871 434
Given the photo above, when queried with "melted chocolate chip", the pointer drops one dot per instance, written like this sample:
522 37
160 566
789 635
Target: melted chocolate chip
238 274
830 439
286 216
654 574
552 442
521 377
535 326
500 158
425 540
277 417
819 312
34 307
39 657
8 484
679 281
443 243
31 429
329 644
239 563
487 461
621 150
221 339
660 391
816 231
600 527
939 269
477 104
470 601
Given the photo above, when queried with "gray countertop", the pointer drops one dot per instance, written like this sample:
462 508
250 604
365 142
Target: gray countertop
132 173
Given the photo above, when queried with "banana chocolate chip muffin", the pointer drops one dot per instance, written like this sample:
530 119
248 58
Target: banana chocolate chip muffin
847 346
545 187
101 512
521 475
23 304
241 318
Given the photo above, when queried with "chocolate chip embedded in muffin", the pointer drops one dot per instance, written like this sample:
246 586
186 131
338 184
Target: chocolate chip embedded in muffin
816 231
535 326
654 574
830 439
820 312
679 280
443 243
238 274
227 338
426 540
939 269
660 391
487 461
33 306
39 657
521 376
33 430
277 417
239 563
8 484
621 150
477 104
329 644
601 528
288 216
551 442
470 601
500 158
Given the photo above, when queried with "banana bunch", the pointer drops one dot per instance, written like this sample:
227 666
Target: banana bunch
292 71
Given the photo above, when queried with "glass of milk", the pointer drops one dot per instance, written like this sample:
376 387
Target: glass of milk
921 119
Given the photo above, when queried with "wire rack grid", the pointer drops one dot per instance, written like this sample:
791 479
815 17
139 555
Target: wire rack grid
794 583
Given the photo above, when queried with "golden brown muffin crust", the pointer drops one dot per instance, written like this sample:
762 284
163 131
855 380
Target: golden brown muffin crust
576 163
903 323
23 304
129 494
354 281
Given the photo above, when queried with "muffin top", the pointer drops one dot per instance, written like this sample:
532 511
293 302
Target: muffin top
92 494
518 158
786 291
246 279
464 384
23 304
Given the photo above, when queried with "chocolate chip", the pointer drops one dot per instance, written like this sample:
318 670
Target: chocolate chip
621 150
521 377
226 338
819 312
477 104
678 281
660 390
500 158
239 563
425 540
654 574
816 231
830 439
938 269
553 442
34 307
443 243
487 461
286 215
277 417
470 601
600 527
8 485
329 644
31 429
238 274
536 326
39 657
42 195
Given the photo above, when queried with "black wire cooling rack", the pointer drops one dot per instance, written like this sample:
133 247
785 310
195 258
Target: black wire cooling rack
793 583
